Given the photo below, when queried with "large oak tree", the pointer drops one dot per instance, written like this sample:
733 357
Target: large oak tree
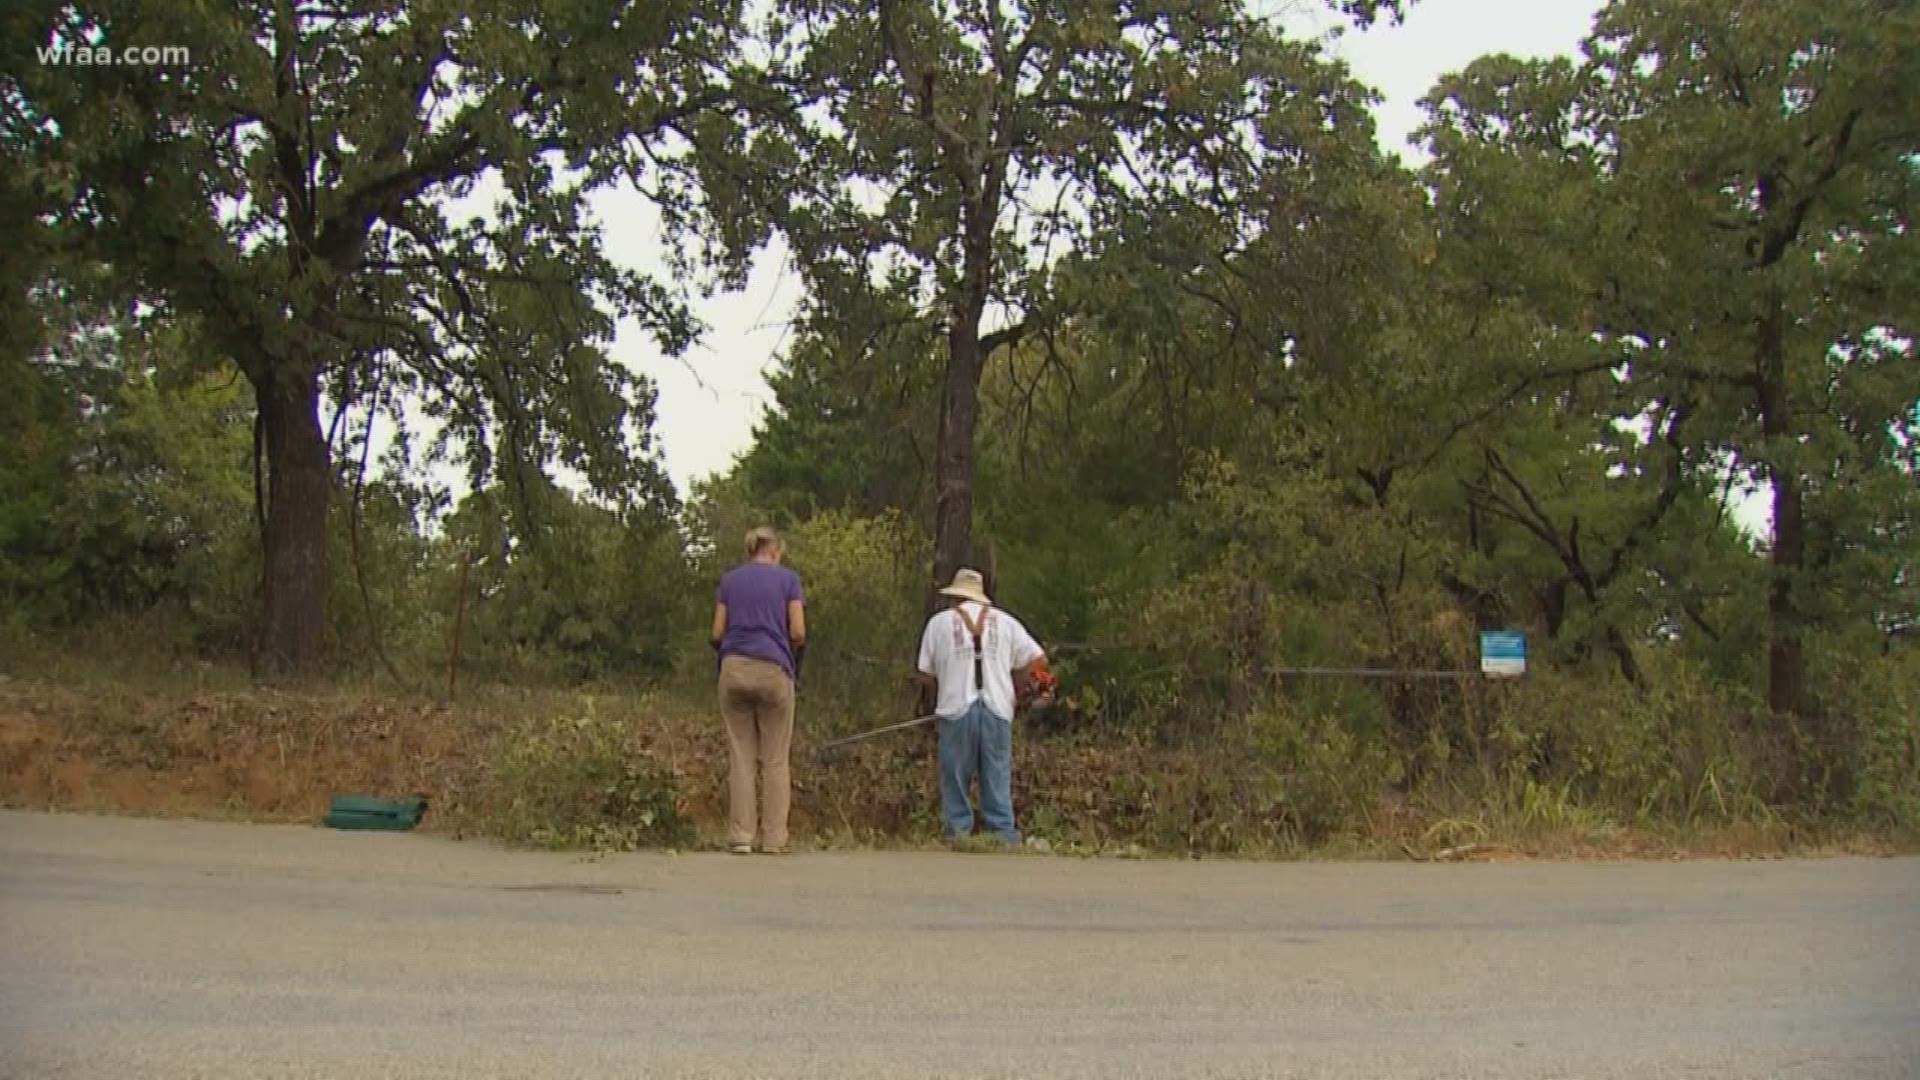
1717 206
293 189
956 154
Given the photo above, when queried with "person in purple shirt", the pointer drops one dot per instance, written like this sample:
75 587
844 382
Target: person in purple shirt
759 631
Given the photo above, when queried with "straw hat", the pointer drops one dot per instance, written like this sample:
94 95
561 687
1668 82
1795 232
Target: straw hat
967 585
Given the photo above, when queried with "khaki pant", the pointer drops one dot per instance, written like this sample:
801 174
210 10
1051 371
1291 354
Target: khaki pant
756 699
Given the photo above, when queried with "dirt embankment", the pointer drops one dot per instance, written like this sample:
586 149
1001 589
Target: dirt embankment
280 755
256 754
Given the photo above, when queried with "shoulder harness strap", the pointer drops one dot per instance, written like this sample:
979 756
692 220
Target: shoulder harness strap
974 627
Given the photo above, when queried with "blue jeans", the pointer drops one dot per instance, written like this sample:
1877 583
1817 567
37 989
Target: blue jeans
977 742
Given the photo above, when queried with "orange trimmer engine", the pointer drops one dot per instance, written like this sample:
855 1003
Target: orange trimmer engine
1039 687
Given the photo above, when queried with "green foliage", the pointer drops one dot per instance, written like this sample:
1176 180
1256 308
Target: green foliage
381 539
863 579
577 782
295 188
595 594
131 491
852 427
958 167
1331 775
1683 749
1708 209
1870 755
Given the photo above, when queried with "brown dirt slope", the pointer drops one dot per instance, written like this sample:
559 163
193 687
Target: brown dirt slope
255 754
280 754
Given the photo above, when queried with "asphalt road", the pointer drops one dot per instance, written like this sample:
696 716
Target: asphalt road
167 949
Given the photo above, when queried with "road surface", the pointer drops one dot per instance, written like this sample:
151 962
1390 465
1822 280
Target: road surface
156 950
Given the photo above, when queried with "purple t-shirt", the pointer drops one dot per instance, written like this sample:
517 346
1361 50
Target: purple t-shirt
756 596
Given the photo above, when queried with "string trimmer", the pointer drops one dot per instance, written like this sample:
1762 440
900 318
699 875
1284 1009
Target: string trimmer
1039 692
825 748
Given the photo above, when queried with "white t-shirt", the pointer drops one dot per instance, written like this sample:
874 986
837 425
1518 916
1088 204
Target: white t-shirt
946 653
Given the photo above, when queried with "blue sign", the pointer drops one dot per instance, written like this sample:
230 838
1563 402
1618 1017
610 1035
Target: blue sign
1503 653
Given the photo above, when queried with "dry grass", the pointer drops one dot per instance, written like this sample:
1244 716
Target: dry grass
258 754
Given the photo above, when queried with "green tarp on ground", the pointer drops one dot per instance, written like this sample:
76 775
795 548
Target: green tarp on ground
367 812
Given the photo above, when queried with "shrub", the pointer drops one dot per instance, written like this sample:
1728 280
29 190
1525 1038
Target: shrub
577 782
865 584
1329 775
1869 719
1678 747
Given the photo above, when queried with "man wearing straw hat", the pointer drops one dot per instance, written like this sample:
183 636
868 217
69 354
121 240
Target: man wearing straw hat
970 654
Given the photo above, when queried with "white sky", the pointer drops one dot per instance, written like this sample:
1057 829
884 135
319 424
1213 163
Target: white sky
710 400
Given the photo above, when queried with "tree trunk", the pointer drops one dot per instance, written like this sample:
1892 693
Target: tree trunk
294 622
1553 607
1623 654
953 457
966 359
1785 662
986 559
